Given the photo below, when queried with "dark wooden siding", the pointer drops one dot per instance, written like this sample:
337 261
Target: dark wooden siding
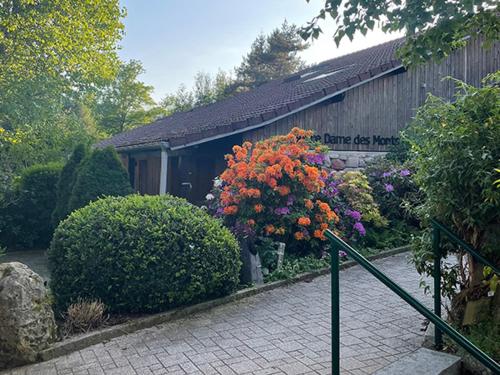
144 169
385 105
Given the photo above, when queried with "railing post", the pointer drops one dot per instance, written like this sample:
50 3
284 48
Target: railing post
436 243
335 311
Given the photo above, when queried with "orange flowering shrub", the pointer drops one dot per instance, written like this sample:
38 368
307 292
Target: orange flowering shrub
270 189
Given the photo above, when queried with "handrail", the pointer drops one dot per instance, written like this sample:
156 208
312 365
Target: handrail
454 238
437 229
339 244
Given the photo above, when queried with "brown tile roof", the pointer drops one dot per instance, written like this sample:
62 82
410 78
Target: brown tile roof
264 103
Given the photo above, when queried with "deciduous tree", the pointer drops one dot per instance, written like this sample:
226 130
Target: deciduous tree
53 48
126 102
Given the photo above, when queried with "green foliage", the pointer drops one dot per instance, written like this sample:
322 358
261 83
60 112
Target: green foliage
485 335
41 142
455 149
398 233
51 49
26 211
126 102
357 192
270 57
100 174
394 189
65 184
293 266
206 90
433 27
142 254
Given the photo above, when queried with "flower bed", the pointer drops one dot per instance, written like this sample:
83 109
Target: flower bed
281 190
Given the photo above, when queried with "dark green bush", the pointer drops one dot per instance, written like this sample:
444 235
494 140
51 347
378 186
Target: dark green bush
142 254
66 182
100 174
27 208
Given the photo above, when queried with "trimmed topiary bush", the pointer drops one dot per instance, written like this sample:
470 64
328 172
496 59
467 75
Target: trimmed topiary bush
100 174
26 213
66 182
142 254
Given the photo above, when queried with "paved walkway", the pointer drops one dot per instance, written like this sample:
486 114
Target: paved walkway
284 331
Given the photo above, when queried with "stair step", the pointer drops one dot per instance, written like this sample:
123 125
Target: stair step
424 362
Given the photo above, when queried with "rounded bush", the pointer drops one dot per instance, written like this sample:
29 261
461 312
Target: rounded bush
142 254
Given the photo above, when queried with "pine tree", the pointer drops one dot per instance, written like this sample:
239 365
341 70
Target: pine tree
271 57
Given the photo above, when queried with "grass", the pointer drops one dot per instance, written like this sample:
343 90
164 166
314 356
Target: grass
486 336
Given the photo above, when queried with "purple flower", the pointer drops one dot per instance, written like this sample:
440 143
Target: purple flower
315 158
290 200
342 254
356 215
405 172
360 228
241 229
386 174
389 187
219 211
282 211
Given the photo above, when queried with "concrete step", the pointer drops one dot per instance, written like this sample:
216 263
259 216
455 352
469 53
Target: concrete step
424 362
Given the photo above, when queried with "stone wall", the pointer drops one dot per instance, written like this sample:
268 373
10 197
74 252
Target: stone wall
340 160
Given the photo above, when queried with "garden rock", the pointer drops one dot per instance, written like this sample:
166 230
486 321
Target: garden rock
26 318
251 269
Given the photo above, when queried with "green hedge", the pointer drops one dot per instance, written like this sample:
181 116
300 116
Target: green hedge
26 211
142 254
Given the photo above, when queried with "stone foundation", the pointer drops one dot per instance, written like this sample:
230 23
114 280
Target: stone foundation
340 160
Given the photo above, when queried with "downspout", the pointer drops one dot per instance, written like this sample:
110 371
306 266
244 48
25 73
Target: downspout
164 168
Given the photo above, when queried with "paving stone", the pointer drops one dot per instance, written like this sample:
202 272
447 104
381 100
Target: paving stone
283 331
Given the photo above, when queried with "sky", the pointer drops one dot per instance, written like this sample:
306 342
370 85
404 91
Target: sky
175 39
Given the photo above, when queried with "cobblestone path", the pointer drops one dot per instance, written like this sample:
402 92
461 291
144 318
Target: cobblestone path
284 331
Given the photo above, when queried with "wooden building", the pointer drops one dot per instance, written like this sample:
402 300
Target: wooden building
356 104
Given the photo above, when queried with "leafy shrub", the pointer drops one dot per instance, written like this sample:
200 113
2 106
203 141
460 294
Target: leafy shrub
100 174
83 316
394 189
293 266
142 254
270 190
66 182
350 195
27 209
455 149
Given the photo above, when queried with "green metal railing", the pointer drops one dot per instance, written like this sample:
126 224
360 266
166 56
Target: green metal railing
438 229
339 244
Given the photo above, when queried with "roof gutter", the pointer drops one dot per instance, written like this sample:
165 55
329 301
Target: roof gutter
162 145
264 123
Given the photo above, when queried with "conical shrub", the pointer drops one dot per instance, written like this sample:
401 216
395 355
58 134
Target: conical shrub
100 174
65 184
